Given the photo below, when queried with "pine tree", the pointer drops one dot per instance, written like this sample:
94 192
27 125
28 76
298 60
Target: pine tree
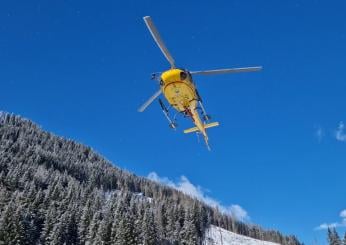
120 209
93 228
49 222
8 224
36 212
105 228
161 218
59 234
149 232
189 233
84 222
333 237
72 227
170 227
127 230
26 228
20 229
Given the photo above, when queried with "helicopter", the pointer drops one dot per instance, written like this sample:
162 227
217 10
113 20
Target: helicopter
179 89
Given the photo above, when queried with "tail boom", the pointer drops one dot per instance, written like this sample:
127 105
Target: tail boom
200 126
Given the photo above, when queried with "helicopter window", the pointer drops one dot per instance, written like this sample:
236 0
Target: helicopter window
183 75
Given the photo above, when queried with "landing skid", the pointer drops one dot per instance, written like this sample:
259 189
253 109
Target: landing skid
172 123
204 114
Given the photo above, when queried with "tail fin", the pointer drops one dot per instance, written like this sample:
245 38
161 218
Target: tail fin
195 129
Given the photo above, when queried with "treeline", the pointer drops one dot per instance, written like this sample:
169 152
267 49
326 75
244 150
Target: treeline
56 191
334 238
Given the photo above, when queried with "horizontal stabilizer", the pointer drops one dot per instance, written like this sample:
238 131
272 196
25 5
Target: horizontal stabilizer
195 129
210 125
191 130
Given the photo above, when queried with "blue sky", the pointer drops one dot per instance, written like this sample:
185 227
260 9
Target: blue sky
81 69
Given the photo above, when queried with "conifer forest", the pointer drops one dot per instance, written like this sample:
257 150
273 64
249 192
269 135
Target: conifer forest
57 191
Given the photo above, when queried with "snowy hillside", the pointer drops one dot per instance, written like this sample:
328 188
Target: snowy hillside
219 236
58 191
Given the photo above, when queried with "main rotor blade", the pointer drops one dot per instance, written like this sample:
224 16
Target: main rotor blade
231 70
150 24
149 101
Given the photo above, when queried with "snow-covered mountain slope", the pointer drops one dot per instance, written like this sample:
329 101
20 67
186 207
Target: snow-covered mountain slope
218 236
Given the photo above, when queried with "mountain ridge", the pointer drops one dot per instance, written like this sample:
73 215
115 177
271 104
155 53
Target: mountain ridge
43 176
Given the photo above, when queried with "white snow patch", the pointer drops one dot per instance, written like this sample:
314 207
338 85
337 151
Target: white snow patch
110 194
218 236
141 196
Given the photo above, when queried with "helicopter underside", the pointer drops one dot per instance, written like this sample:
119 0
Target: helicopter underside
181 95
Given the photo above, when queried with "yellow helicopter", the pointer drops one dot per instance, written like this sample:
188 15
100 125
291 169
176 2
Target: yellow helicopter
180 91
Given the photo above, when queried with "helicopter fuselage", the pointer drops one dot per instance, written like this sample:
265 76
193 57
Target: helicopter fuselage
178 88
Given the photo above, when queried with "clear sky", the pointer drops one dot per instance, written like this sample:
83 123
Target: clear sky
82 68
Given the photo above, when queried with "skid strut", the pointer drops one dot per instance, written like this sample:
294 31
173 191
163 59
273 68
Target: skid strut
206 117
172 123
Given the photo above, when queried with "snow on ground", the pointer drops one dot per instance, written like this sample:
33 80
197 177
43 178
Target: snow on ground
218 236
141 196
